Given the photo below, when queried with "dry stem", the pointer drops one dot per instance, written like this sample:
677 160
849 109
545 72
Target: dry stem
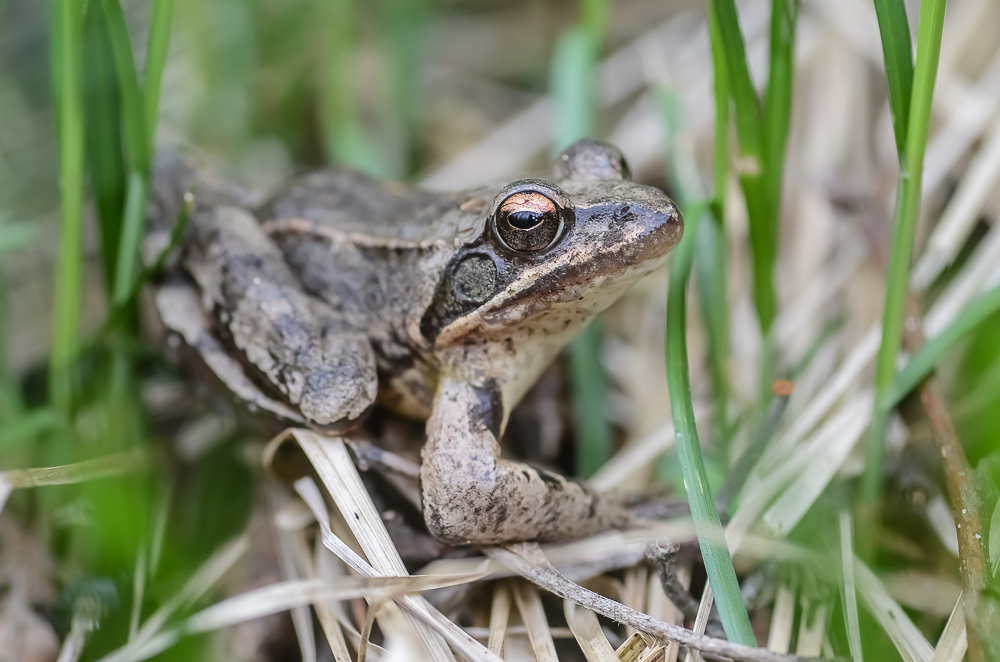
528 560
961 490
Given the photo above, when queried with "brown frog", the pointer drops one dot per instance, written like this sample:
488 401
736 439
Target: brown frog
341 292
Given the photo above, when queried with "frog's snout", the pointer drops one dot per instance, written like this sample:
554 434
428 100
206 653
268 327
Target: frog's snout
656 229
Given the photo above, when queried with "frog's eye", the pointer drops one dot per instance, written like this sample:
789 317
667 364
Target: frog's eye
528 221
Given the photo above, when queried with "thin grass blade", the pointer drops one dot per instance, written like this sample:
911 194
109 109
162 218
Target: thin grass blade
907 210
751 168
102 111
156 61
897 50
711 250
778 107
572 90
718 562
66 18
133 110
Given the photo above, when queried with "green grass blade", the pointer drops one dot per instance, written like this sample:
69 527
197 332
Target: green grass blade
593 432
131 235
925 360
102 114
133 117
711 248
120 311
749 134
344 138
720 93
133 109
573 86
907 210
748 112
897 50
713 300
572 90
715 552
778 104
594 17
66 36
404 22
156 61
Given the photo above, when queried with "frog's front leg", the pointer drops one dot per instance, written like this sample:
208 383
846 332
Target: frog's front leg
472 495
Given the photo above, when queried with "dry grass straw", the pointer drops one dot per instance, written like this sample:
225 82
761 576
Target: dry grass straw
779 637
79 472
954 640
529 604
336 470
499 615
587 631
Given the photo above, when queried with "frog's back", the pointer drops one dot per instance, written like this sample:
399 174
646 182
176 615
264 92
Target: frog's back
375 252
376 212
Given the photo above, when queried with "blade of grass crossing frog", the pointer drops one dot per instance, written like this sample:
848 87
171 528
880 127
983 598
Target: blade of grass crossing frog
925 360
897 50
593 432
66 18
715 552
929 35
572 89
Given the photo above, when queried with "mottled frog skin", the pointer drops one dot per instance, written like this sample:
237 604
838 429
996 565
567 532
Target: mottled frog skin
342 291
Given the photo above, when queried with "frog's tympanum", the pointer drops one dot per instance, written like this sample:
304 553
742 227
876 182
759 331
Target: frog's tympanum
341 292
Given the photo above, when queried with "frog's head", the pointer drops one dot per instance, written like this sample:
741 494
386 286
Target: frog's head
554 253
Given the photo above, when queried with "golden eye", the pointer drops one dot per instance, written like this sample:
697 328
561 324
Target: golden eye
528 221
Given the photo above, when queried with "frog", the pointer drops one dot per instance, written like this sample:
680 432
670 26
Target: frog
341 292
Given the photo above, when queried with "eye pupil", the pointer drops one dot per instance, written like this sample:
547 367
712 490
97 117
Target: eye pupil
525 219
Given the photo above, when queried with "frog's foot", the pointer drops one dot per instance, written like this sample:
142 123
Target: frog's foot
472 495
287 340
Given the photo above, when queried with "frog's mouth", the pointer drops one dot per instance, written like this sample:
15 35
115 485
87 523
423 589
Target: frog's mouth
611 245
